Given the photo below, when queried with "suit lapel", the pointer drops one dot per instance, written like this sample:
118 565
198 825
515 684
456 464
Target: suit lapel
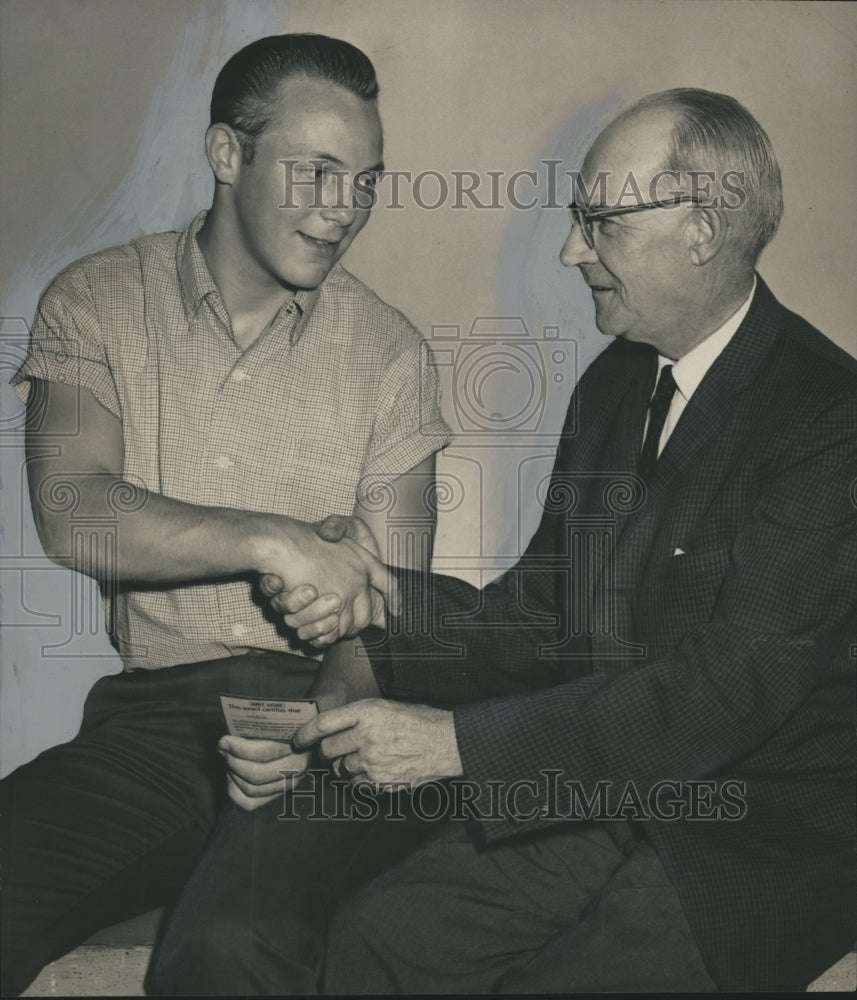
713 402
610 421
612 434
631 418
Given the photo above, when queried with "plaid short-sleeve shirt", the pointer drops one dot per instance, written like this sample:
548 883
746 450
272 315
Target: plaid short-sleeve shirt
338 395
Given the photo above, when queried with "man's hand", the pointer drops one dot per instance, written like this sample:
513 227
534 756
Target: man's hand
259 771
355 585
336 527
317 619
385 742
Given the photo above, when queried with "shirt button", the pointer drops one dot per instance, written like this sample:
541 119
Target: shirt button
239 375
239 630
223 462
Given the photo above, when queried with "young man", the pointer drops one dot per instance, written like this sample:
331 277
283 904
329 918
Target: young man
199 399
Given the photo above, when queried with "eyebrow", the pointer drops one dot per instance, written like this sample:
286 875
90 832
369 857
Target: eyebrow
595 209
329 157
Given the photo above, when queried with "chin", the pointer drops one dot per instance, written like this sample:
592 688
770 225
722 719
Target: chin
608 329
305 278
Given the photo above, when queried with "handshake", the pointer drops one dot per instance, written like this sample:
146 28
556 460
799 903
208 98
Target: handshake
334 584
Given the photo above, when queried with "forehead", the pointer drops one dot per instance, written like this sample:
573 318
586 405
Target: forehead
310 112
636 147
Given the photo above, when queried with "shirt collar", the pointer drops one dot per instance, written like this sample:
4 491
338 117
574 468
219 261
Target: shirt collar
691 368
305 300
196 282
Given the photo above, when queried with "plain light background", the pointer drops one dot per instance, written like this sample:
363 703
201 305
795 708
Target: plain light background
103 106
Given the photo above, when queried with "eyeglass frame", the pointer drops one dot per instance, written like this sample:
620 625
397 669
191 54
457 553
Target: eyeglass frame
584 218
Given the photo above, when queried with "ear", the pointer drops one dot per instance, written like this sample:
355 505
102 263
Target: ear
224 152
709 228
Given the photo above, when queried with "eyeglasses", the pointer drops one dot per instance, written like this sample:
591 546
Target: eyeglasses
584 217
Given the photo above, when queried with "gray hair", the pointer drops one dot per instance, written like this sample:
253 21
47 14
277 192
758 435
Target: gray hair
713 132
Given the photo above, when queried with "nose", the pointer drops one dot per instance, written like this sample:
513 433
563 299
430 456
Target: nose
340 214
576 250
338 196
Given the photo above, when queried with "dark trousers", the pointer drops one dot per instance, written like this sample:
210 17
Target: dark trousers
110 824
577 910
417 908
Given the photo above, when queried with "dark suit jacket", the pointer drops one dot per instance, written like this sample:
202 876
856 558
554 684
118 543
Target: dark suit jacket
701 630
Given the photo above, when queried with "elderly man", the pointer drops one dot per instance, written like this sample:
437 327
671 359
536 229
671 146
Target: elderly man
198 401
657 739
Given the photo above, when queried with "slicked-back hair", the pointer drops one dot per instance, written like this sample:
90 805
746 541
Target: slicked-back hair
245 91
713 132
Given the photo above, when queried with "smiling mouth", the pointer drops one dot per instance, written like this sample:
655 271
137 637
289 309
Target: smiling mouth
322 244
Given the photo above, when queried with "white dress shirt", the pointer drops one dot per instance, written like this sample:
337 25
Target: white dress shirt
691 368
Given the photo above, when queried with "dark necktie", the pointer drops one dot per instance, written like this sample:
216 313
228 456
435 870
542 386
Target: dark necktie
658 409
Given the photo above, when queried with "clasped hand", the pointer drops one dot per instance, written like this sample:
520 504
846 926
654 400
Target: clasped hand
351 587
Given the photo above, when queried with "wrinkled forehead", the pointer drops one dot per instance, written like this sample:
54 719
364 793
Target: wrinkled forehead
625 159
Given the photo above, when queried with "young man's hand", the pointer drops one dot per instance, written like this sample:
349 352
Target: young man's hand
259 771
356 587
319 619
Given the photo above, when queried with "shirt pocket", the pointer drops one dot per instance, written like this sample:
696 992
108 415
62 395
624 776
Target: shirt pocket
309 479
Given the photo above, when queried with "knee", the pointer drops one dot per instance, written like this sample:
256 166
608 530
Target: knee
361 946
229 954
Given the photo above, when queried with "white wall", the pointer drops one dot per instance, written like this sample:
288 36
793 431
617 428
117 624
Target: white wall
102 111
